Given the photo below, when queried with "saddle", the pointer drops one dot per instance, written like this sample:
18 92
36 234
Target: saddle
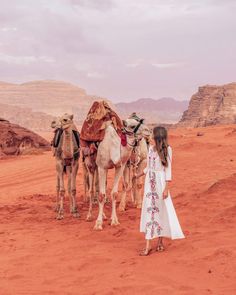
93 129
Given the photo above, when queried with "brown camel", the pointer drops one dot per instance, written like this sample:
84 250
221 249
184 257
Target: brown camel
90 170
66 151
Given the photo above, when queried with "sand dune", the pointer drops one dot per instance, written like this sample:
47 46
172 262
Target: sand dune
40 255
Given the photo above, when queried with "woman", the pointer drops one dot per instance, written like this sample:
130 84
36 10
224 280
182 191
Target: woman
158 218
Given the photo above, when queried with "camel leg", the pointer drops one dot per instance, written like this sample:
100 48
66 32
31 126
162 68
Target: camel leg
138 192
101 198
68 172
124 189
114 194
134 187
74 171
86 183
132 184
57 194
139 186
91 195
62 191
96 186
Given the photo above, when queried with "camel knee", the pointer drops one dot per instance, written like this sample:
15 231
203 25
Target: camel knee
139 186
125 185
114 196
62 192
101 197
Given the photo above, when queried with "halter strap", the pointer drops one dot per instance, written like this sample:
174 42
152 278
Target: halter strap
138 126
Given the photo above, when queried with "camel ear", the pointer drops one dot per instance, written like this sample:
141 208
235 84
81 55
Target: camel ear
53 124
71 117
124 123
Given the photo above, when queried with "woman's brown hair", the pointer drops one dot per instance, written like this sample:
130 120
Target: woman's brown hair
161 143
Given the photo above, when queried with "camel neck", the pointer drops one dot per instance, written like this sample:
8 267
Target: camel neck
130 141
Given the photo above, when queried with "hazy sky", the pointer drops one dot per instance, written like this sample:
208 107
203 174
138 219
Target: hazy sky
120 49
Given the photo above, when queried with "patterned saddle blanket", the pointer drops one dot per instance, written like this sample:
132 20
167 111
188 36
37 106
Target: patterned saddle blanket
93 129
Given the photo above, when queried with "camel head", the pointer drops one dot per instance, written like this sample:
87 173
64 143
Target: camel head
66 121
56 124
136 127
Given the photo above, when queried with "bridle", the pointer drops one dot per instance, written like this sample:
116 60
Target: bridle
134 132
138 126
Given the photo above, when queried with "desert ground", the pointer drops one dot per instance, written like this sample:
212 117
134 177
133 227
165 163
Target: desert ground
40 255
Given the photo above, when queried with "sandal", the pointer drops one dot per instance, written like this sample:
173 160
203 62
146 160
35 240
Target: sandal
145 252
160 248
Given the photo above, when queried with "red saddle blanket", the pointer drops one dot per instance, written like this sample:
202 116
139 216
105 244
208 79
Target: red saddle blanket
93 127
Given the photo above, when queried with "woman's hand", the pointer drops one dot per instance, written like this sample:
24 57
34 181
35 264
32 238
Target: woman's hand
165 193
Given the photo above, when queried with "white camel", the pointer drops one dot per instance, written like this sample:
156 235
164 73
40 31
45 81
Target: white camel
66 151
111 154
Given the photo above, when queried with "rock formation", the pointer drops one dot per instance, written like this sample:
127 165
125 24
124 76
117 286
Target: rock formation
15 140
211 105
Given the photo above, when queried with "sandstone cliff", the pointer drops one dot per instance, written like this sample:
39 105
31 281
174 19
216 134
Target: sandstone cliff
15 140
211 105
49 97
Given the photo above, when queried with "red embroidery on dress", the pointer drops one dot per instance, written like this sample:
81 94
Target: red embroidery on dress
153 209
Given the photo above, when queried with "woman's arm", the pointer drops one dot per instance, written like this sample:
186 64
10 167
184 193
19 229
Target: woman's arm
167 187
168 172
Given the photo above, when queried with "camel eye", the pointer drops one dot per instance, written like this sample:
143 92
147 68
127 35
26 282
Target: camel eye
132 127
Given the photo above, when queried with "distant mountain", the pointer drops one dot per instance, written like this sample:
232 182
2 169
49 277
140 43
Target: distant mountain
164 110
49 97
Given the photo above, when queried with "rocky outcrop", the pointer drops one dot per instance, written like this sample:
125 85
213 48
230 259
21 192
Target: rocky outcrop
211 105
15 140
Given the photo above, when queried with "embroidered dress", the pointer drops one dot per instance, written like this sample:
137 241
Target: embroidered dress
158 217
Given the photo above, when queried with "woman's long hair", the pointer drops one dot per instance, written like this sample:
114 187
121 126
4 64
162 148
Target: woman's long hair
160 137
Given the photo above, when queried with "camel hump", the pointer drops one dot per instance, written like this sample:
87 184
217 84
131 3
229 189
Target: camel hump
93 128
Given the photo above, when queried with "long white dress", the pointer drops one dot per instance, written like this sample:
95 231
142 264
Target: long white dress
158 217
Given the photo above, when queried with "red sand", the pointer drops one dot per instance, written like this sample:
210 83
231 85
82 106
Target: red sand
40 255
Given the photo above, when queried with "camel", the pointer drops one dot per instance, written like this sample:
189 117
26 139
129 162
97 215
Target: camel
66 151
135 165
111 154
90 170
